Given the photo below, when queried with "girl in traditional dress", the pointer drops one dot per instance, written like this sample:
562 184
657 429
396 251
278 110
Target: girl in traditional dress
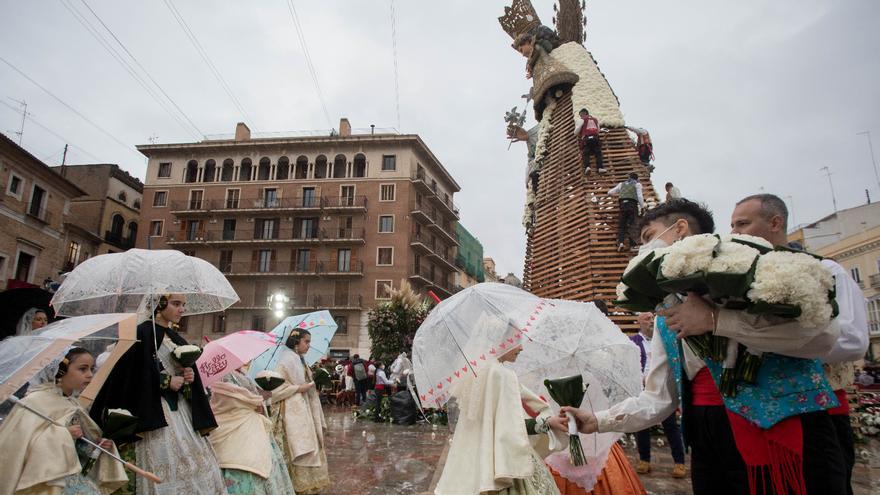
42 458
299 419
171 426
250 458
491 452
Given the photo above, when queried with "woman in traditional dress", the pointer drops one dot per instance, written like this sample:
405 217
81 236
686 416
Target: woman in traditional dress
491 452
172 419
299 419
43 458
250 458
31 321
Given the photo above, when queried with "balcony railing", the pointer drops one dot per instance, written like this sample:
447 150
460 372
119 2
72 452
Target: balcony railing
118 240
284 234
331 267
874 280
292 267
343 234
304 203
345 202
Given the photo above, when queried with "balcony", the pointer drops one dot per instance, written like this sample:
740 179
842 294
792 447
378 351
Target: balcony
343 235
345 203
333 268
435 281
420 181
874 281
327 301
277 236
422 214
263 204
116 239
189 207
443 261
447 207
422 243
271 268
449 236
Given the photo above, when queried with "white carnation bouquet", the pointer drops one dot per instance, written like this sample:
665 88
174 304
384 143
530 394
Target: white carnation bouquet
186 356
738 272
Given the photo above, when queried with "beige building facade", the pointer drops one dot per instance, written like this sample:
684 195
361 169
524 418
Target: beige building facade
332 222
110 210
34 216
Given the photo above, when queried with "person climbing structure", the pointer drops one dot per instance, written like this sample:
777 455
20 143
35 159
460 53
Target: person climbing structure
629 193
644 146
587 131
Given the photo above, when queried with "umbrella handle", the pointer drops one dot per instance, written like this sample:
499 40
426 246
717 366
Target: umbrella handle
146 474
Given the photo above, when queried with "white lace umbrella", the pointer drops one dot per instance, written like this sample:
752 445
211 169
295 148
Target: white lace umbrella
125 283
571 338
463 332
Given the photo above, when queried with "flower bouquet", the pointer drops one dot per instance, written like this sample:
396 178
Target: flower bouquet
738 272
186 356
569 391
119 424
269 380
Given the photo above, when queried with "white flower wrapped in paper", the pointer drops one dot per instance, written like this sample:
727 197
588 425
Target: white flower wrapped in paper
793 284
757 242
269 380
688 256
186 355
729 274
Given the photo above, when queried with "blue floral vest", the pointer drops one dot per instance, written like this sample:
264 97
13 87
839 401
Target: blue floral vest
785 387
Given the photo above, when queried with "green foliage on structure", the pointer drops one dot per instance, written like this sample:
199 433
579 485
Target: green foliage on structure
470 253
392 325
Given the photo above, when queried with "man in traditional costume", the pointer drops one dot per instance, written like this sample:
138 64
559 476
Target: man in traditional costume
771 437
169 438
766 216
299 418
40 457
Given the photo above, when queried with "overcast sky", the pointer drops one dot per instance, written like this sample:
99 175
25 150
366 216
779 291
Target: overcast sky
738 96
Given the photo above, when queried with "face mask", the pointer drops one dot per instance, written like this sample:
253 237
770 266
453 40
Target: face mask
656 242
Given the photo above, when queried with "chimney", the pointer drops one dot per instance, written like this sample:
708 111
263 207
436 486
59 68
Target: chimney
242 132
344 127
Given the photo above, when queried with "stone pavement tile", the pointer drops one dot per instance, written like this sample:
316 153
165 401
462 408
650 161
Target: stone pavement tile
384 459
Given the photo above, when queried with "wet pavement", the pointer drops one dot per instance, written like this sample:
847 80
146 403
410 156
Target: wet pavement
374 459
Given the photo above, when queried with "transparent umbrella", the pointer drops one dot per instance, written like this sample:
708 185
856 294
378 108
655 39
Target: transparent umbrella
125 283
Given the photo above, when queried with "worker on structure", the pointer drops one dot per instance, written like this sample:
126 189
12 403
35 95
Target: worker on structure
629 194
587 131
644 146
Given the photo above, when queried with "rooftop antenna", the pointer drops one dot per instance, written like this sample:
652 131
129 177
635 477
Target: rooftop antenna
24 114
791 209
153 138
372 128
873 161
831 184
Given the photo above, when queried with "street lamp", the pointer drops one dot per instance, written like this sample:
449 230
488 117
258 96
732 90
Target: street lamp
280 303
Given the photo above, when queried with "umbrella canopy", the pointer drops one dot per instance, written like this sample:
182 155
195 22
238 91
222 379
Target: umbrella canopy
125 282
320 324
22 358
222 356
574 338
14 303
463 332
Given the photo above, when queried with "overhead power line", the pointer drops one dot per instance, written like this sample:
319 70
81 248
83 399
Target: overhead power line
394 53
68 106
144 71
204 55
302 41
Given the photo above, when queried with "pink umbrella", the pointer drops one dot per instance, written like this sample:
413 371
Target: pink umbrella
222 356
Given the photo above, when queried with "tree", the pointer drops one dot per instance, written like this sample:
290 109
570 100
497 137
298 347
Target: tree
392 325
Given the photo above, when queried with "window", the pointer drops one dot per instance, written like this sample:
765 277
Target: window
15 186
156 228
282 169
346 196
232 198
386 192
228 229
194 231
308 198
195 199
261 292
210 171
389 162
38 197
122 196
117 223
383 289
386 224
192 171
343 260
73 252
266 228
23 267
341 324
258 323
854 271
264 260
385 256
305 228
165 169
360 165
302 168
245 170
270 198
225 261
264 169
346 230
220 323
342 293
132 233
228 170
302 260
321 167
340 164
160 198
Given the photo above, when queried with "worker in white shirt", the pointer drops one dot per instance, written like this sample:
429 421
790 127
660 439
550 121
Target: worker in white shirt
630 201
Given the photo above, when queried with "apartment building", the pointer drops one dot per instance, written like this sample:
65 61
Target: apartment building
326 221
35 234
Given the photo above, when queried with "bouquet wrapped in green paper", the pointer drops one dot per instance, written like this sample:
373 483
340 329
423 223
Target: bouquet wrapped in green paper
186 356
119 424
569 391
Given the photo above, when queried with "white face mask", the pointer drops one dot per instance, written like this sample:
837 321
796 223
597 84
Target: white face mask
656 242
